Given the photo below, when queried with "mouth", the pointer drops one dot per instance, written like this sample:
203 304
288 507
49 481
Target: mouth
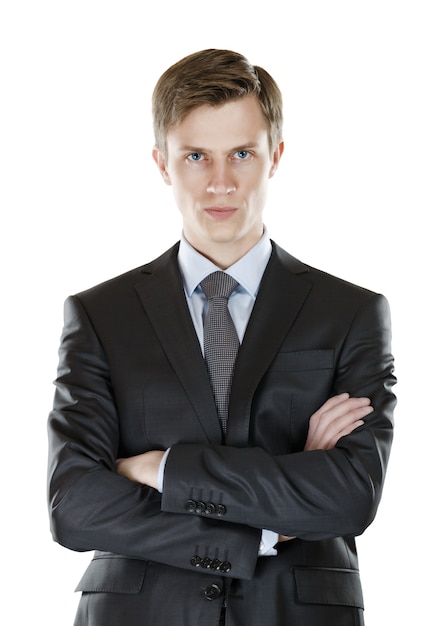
220 212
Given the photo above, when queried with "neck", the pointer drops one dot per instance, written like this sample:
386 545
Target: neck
224 250
223 255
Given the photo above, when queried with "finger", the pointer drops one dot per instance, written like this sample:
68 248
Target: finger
330 426
282 538
329 405
336 406
332 403
347 415
347 430
345 407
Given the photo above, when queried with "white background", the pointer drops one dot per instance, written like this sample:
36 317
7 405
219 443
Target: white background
81 201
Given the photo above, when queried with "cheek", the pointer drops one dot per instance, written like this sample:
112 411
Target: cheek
256 182
187 182
185 195
257 194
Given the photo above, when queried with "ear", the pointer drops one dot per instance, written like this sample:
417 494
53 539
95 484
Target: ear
276 158
159 159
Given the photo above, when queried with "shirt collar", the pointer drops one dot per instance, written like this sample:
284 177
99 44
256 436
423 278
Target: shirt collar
248 270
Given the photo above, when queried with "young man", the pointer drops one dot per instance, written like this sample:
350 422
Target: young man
218 488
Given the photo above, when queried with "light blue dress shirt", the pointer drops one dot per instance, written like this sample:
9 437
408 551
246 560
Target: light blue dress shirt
248 272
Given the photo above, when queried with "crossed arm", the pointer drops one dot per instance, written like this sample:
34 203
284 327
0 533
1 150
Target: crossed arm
337 417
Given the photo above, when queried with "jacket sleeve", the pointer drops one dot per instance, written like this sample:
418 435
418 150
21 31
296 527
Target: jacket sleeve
91 507
311 495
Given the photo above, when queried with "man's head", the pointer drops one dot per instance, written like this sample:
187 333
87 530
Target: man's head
218 125
213 77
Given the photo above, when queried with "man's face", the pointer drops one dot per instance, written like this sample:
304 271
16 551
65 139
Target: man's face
219 163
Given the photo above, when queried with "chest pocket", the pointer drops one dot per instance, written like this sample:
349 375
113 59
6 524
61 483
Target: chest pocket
294 387
303 360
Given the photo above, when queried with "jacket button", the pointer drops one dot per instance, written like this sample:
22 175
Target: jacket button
210 508
216 564
221 509
200 507
225 567
195 561
212 592
190 506
206 562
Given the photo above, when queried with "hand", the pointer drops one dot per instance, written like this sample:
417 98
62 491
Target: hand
282 538
142 468
337 417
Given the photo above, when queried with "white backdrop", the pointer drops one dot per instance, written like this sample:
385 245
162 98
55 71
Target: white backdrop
81 201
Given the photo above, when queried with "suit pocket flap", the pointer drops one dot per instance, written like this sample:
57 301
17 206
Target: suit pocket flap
113 574
303 360
329 586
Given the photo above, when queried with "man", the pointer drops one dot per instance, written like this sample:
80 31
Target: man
218 488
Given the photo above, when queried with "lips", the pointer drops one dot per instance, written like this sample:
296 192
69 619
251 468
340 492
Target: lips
220 212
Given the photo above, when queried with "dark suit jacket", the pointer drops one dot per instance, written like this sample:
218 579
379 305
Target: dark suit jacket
132 378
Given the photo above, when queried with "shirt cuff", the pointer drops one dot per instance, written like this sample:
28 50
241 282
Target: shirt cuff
267 543
161 471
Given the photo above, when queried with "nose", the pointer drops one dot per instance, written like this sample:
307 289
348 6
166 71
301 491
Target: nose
221 180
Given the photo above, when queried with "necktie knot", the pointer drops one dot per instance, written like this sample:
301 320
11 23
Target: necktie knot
218 285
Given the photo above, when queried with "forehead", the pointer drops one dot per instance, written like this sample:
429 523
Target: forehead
235 123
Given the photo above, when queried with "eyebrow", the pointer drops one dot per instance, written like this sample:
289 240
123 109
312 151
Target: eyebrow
247 146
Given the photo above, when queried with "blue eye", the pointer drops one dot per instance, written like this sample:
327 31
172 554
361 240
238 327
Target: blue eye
195 156
242 154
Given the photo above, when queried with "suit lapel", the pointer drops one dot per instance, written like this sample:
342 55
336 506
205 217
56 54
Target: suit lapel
282 293
162 295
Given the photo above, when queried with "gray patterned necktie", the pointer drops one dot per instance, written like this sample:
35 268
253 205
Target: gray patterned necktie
221 342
